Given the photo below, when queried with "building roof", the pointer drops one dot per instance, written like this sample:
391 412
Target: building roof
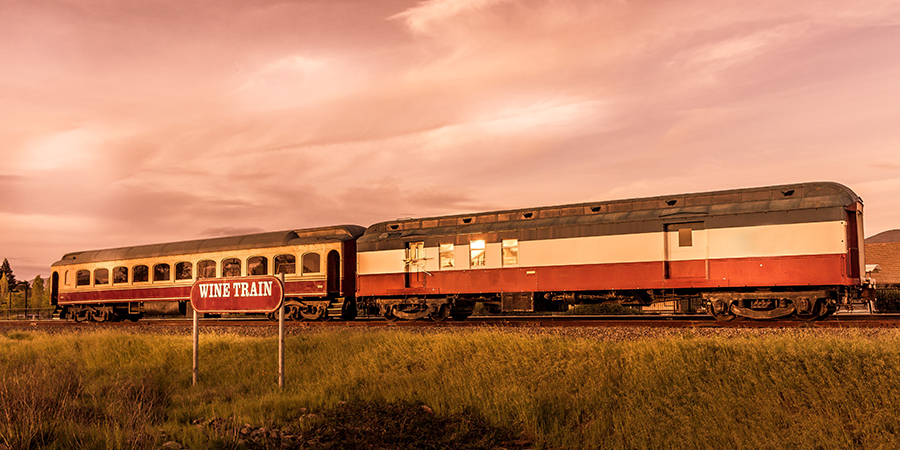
884 237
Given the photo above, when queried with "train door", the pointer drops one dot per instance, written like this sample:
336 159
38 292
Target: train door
54 289
415 264
333 266
686 250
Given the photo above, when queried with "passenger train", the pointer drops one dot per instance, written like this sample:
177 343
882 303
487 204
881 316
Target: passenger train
761 253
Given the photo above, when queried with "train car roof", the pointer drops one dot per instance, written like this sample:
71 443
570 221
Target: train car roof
787 197
260 240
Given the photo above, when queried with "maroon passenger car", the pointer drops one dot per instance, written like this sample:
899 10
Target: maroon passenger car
319 267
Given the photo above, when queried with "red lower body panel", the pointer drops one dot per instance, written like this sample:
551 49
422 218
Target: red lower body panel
171 293
811 270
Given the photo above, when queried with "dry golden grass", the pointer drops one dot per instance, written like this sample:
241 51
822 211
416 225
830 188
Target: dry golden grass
684 389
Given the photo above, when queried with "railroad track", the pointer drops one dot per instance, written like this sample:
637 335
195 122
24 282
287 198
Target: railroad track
692 321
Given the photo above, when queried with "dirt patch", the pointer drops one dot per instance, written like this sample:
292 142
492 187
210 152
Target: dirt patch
359 425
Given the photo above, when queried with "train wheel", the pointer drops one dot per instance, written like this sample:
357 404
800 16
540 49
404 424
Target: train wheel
818 311
442 313
389 314
272 316
721 317
315 313
98 315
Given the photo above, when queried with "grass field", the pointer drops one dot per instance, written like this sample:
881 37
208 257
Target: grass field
613 388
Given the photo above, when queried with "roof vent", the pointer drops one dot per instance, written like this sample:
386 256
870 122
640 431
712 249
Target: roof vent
467 220
596 208
395 226
528 215
788 192
671 202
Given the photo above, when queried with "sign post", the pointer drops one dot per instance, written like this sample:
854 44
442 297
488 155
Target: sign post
257 294
281 341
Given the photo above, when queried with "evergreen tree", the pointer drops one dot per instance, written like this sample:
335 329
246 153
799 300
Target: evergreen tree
8 274
41 298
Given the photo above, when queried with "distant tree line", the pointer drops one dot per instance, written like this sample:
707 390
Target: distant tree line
13 292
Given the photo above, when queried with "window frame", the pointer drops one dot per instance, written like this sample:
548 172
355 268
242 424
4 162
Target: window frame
232 260
265 263
94 277
514 249
190 268
303 271
444 250
215 268
146 275
125 269
275 263
83 272
168 269
479 246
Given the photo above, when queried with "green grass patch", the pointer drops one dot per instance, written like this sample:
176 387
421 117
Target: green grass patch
796 389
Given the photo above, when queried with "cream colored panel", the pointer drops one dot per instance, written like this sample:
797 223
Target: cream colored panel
778 240
493 256
462 257
386 261
592 250
697 249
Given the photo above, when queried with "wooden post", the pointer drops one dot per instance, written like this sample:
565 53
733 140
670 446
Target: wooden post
196 371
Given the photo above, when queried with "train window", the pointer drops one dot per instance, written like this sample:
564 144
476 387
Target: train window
161 272
685 237
258 265
446 256
231 267
285 264
206 269
140 274
83 278
476 249
66 278
312 263
120 275
101 276
510 252
183 271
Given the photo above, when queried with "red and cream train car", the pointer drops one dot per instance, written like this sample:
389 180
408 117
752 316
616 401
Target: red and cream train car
761 253
318 265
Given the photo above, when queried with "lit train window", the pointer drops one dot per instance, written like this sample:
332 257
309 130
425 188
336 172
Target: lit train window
140 274
285 264
183 271
120 275
477 252
258 265
101 276
206 269
161 272
231 267
312 263
83 278
446 255
510 252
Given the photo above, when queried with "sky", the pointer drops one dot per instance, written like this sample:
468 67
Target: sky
125 123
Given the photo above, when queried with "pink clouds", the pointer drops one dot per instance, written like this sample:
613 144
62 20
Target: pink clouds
127 123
